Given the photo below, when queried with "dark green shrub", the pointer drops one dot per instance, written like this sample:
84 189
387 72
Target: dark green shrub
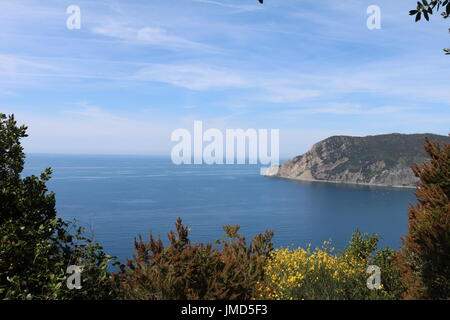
184 270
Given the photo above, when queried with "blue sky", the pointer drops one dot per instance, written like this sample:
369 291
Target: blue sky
139 69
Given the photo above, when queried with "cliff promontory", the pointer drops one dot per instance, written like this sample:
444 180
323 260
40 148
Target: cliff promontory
375 160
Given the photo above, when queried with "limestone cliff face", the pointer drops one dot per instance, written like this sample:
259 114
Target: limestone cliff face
376 160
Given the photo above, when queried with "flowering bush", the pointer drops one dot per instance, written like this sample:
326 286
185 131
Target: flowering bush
297 274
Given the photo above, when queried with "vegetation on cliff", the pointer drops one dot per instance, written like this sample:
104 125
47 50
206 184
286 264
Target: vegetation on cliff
379 160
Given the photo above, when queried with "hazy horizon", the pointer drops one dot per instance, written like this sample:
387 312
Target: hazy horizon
168 156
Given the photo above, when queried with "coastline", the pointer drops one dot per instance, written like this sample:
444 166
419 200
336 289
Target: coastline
345 182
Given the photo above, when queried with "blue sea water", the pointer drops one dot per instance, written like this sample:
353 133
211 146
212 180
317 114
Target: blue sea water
120 197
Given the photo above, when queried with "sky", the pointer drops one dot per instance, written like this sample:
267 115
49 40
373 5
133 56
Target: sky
136 70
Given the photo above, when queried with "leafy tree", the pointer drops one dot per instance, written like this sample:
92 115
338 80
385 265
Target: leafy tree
425 255
36 246
425 9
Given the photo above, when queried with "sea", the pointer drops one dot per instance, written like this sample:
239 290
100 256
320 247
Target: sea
118 198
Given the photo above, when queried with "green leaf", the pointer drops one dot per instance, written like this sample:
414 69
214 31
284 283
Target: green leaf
418 16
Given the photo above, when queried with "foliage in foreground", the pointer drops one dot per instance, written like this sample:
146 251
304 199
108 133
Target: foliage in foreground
426 8
184 270
425 255
321 274
36 247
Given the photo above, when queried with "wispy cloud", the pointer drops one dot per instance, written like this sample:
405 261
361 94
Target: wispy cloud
7 93
232 5
89 111
94 130
11 65
287 94
192 77
153 36
309 65
349 109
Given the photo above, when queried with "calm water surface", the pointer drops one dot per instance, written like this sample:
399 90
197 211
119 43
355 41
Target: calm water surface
120 197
